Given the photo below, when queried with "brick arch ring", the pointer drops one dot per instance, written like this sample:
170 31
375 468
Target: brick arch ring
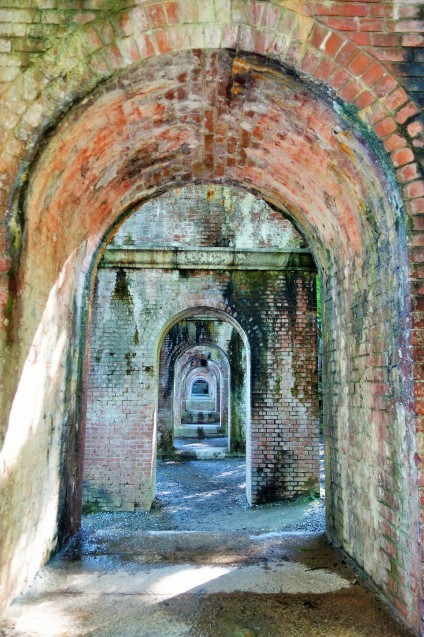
185 375
208 343
188 307
154 127
184 355
184 360
76 175
108 46
53 211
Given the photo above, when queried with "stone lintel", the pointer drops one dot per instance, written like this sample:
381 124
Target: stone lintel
208 259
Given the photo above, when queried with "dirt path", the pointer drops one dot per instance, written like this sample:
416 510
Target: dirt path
209 495
199 584
201 564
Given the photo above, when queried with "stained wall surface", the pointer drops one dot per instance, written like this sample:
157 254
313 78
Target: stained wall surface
314 106
124 410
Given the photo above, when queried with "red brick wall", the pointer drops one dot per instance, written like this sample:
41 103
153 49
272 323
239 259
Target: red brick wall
392 32
373 64
277 310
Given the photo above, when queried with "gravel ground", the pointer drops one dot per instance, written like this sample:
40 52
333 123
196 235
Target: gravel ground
209 495
152 574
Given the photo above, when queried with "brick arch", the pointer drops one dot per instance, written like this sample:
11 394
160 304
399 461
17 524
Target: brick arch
79 145
343 228
243 324
182 351
191 353
108 45
202 375
212 376
187 306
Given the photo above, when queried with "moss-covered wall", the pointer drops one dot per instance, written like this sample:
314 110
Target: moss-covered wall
239 93
276 311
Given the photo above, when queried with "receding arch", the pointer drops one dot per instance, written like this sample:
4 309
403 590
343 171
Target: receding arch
180 361
213 378
208 311
356 232
200 386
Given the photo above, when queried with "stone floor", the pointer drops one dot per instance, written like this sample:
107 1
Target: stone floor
176 584
201 564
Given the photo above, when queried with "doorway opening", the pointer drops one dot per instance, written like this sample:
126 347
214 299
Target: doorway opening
271 123
203 371
208 329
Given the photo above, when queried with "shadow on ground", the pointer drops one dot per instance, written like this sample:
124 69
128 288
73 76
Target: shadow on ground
201 564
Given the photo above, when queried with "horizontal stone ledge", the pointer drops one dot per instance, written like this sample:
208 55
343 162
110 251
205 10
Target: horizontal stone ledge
207 259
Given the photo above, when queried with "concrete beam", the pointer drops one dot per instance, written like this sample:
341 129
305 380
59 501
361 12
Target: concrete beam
208 259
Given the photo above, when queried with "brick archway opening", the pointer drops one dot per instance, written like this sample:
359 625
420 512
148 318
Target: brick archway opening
236 120
216 248
217 335
193 370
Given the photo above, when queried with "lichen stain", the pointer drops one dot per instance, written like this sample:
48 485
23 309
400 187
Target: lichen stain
293 283
274 487
121 290
129 356
245 289
236 354
290 294
121 299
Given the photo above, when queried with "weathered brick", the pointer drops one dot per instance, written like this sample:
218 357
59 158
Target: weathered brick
414 190
373 74
139 17
385 40
346 54
364 100
408 172
396 99
394 142
415 39
408 26
156 14
340 24
385 127
327 8
352 9
406 112
361 39
253 163
109 348
333 44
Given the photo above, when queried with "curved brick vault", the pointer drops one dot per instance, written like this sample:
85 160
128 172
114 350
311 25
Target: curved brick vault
210 376
243 120
100 45
187 362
